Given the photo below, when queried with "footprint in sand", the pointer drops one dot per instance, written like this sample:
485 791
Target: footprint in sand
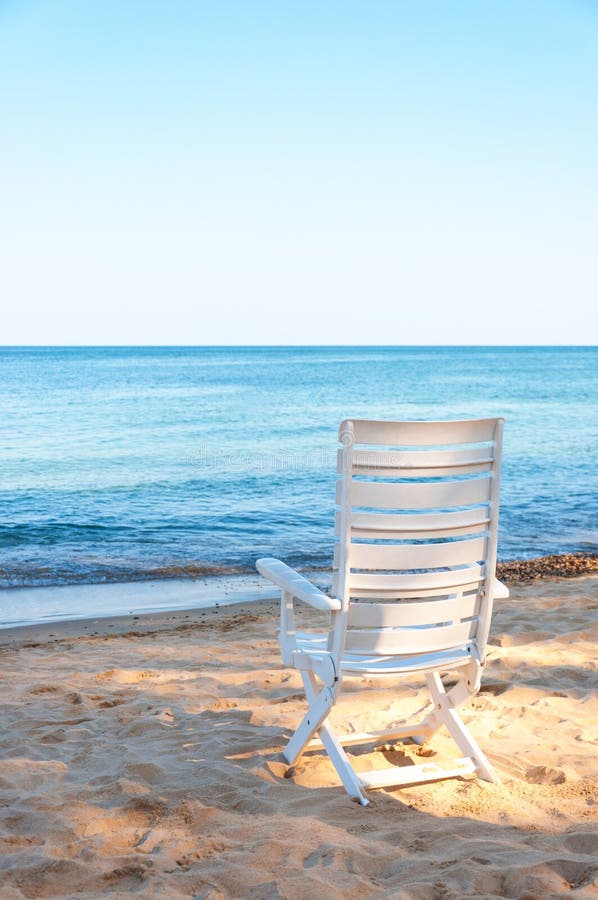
55 737
545 775
585 842
44 689
494 687
145 772
73 697
24 775
128 877
223 704
49 878
286 698
323 856
148 674
102 676
575 873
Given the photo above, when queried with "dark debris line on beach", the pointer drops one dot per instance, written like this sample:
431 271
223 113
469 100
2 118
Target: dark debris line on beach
562 565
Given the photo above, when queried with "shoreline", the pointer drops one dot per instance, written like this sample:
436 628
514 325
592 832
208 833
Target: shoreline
135 625
223 612
23 607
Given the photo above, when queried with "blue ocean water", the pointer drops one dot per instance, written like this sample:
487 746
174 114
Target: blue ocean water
133 463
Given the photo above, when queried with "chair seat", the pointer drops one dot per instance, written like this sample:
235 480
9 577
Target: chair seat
387 665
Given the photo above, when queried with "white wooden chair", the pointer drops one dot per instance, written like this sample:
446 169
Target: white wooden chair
413 586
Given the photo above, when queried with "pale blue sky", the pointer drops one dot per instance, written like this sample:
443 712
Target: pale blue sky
298 172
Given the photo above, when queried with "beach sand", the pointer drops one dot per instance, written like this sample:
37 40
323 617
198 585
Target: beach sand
140 757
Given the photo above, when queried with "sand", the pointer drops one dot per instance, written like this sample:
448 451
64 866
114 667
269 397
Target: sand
140 757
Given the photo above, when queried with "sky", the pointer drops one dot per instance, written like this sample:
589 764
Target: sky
298 172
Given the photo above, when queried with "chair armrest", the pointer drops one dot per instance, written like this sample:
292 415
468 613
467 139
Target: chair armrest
501 591
289 580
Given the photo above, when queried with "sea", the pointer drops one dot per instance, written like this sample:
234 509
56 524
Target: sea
137 463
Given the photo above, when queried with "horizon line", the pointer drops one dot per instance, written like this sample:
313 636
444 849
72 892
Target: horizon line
127 346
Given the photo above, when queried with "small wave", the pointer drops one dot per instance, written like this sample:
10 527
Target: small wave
44 576
193 571
27 575
57 533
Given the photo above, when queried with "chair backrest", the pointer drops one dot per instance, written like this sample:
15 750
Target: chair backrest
416 533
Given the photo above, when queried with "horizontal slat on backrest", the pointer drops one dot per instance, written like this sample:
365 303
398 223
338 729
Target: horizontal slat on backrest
419 463
416 556
440 524
421 459
434 495
408 640
420 434
431 472
393 615
413 584
382 535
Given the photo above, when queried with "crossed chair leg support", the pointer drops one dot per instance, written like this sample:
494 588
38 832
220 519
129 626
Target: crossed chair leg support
321 699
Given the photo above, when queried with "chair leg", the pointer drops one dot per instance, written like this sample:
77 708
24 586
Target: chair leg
341 763
320 704
444 714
